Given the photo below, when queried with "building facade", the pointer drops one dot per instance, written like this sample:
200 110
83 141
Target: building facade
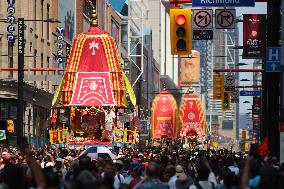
38 85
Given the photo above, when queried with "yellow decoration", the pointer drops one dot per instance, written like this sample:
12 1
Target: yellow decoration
127 134
57 93
63 136
246 146
129 90
72 112
10 126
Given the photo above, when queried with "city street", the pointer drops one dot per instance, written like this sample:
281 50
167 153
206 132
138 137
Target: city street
143 94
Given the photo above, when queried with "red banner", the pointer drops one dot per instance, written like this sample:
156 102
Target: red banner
263 147
92 89
192 116
254 36
163 116
164 127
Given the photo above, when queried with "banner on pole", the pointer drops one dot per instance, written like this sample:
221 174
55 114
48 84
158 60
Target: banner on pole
189 69
254 40
218 87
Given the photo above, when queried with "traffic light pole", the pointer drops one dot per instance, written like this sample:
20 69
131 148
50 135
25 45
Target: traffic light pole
20 105
271 83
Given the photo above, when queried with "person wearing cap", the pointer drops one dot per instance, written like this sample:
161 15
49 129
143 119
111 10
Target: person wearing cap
59 167
183 181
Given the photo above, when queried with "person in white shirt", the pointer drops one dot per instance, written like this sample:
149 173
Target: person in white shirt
207 179
171 171
118 178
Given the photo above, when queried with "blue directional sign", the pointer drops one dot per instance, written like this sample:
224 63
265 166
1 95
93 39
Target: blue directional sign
223 3
250 93
273 57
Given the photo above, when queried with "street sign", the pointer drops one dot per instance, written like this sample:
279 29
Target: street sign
227 3
225 18
235 96
202 19
273 56
2 134
230 83
250 93
202 35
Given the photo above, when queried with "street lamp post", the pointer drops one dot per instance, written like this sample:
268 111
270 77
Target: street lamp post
21 63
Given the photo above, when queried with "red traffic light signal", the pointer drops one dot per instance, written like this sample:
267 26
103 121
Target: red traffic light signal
180 20
181 37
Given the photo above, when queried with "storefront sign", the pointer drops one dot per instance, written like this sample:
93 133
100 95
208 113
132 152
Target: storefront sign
21 37
60 44
11 20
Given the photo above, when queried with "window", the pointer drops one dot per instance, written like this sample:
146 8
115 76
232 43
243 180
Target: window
4 110
41 9
124 37
10 58
103 14
41 62
115 30
13 111
47 17
228 125
54 88
35 7
35 55
47 59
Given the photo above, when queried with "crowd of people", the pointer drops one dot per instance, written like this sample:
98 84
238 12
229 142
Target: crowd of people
162 167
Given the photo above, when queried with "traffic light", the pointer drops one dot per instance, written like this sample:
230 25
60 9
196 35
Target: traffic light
10 126
244 134
226 101
181 36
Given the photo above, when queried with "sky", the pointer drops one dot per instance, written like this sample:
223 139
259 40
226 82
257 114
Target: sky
260 8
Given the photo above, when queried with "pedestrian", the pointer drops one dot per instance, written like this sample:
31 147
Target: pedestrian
151 180
206 178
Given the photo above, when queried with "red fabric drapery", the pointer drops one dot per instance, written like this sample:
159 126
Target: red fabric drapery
164 116
192 116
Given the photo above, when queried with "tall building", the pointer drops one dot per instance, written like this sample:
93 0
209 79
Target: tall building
166 64
225 56
38 82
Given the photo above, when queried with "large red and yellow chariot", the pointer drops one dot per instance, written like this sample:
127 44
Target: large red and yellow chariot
167 122
91 91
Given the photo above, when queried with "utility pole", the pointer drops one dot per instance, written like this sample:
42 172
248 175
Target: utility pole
20 105
271 82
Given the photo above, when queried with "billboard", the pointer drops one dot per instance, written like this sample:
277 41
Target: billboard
254 40
67 17
189 69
